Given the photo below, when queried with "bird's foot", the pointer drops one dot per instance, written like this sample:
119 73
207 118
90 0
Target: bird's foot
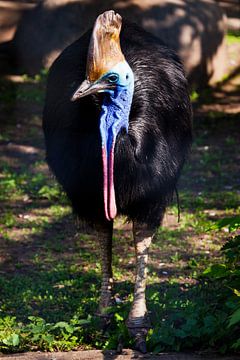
105 313
138 330
139 335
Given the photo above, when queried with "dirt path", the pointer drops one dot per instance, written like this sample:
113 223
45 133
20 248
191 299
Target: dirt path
127 354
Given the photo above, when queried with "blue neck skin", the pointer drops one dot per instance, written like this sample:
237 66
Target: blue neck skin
115 115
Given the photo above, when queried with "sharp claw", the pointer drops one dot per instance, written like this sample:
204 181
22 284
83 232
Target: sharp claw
140 340
139 336
142 347
120 344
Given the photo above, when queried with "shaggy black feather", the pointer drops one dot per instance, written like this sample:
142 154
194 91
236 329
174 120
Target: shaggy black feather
148 159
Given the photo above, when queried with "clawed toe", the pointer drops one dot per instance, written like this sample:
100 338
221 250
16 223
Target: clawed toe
140 345
139 335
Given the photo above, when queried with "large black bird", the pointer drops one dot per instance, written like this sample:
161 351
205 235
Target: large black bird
117 124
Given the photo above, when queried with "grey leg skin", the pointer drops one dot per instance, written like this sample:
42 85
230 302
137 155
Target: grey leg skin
138 323
105 242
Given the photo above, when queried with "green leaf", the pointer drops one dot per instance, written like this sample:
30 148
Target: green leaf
49 193
83 321
15 339
234 318
12 340
233 223
64 325
37 329
209 320
236 292
180 333
118 317
216 271
236 345
36 319
48 338
36 337
61 324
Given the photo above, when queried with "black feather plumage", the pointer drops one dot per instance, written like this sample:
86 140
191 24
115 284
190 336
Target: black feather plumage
148 158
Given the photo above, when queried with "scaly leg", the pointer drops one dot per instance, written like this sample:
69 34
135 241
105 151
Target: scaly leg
138 323
104 234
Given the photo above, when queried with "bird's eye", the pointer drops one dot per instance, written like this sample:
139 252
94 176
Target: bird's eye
113 78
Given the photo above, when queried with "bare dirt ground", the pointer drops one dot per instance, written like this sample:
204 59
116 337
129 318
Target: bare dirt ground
127 354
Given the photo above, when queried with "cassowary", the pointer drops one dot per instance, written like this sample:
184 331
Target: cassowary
117 124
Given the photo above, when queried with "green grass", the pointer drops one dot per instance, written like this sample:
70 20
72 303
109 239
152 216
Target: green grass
48 301
233 36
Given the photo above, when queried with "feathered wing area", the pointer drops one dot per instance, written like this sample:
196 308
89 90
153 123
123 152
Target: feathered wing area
148 159
104 49
160 132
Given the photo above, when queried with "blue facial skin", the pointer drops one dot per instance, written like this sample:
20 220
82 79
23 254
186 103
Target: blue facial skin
116 104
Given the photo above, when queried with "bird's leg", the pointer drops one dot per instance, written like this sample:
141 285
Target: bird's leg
138 322
105 242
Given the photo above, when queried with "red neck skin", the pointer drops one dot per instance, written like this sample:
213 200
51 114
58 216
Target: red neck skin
110 207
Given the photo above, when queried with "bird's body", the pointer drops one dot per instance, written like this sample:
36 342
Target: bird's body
148 158
151 142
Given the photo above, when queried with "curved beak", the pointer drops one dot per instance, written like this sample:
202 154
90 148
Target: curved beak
87 88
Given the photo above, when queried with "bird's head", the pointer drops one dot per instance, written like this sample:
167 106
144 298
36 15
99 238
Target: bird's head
107 71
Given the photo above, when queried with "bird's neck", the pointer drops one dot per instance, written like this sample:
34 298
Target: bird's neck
115 114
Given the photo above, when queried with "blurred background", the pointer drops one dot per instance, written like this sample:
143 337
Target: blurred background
49 273
33 33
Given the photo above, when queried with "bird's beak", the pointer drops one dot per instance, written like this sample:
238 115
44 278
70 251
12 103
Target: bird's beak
87 88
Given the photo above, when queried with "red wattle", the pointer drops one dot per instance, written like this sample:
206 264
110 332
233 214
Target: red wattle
110 207
112 199
105 181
